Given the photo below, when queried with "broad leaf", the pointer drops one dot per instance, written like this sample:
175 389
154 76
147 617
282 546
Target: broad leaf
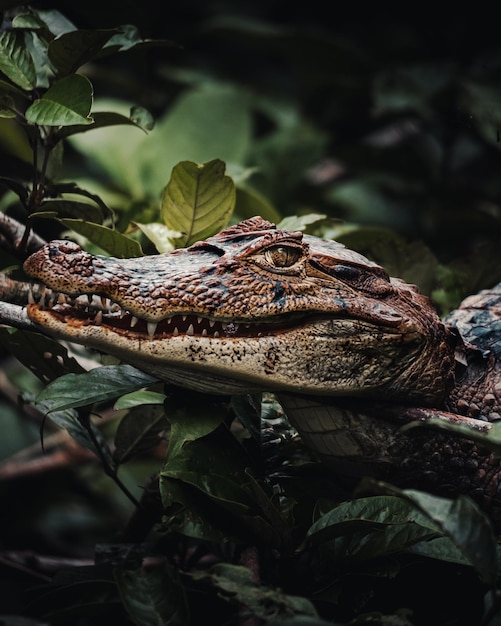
67 102
153 596
15 60
107 239
71 50
163 238
235 584
69 209
43 356
139 431
198 200
203 124
98 385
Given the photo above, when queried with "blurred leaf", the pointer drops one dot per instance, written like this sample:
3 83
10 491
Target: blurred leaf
301 222
15 60
235 584
153 597
107 239
198 200
160 235
203 125
249 202
69 208
138 431
100 384
66 102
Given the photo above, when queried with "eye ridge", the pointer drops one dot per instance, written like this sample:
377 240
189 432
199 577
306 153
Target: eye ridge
283 256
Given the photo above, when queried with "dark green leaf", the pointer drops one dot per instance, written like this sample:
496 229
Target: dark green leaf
43 356
235 584
110 240
467 527
139 431
98 385
198 200
153 597
73 49
103 120
65 103
69 420
70 209
15 60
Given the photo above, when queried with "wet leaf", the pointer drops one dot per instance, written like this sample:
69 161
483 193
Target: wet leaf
198 200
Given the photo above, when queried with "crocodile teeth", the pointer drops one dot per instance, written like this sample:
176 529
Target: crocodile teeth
204 333
133 321
191 331
175 332
151 326
98 319
211 323
31 299
216 334
61 298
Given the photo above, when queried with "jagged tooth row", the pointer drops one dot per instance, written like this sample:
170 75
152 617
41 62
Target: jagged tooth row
100 305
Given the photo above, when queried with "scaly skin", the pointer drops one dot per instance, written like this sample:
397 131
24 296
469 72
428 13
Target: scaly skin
352 353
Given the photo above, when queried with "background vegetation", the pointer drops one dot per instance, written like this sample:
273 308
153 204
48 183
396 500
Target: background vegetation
377 130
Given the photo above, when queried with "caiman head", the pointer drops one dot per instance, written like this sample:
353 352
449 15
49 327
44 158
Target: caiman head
254 307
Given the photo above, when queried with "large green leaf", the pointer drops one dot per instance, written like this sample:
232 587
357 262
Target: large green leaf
98 385
198 200
138 431
203 124
71 50
66 102
110 240
15 60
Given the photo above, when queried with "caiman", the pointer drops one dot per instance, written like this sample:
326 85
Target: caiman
352 354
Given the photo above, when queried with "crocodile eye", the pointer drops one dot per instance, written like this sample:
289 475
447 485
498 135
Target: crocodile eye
283 256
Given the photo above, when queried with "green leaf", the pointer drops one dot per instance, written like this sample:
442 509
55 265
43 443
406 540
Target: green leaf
113 242
66 102
103 119
71 50
153 596
15 60
467 527
162 237
235 584
139 431
43 356
301 222
198 200
98 385
69 209
69 421
136 398
203 124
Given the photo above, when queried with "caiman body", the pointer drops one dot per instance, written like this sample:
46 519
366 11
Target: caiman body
352 353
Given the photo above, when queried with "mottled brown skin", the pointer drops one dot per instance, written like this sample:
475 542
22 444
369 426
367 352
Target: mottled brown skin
352 353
